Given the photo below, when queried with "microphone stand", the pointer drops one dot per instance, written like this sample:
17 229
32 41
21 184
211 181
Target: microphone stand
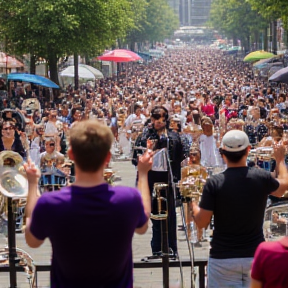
12 244
164 226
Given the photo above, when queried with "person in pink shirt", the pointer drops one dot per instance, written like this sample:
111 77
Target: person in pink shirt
270 265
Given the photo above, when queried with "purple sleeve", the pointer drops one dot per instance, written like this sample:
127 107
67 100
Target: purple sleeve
257 265
142 218
39 223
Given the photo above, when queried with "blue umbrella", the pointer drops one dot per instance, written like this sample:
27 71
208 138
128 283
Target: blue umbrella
31 78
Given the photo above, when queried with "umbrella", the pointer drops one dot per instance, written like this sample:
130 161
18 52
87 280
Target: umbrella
262 62
280 76
84 71
232 50
257 55
119 55
36 79
9 62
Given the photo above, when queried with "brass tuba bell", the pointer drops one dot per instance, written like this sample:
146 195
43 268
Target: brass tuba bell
13 180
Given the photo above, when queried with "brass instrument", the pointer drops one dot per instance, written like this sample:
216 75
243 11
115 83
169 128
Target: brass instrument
13 181
160 205
193 179
14 190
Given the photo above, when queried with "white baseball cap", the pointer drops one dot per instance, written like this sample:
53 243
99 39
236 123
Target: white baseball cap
235 141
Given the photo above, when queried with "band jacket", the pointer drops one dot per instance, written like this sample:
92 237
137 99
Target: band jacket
176 152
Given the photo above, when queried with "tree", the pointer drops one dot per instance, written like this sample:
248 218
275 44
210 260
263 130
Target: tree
236 19
270 9
53 28
157 24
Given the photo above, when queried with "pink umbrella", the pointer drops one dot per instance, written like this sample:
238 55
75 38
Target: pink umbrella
120 55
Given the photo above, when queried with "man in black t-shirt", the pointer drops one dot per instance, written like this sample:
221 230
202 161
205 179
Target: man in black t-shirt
237 199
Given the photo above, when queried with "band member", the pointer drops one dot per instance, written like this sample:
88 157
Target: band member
163 139
89 203
193 159
236 233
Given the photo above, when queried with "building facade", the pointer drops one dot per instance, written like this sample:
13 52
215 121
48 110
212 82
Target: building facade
175 5
193 12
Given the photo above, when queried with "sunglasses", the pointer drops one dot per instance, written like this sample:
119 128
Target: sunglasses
51 144
157 116
9 128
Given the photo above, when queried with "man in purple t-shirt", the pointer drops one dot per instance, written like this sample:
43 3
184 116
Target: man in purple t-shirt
90 224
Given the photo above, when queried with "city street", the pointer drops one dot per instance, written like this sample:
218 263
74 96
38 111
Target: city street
143 278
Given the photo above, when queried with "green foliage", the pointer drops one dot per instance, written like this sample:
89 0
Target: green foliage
236 18
53 28
271 9
158 21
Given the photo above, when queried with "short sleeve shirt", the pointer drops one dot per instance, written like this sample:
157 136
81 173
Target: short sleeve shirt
238 198
270 265
91 232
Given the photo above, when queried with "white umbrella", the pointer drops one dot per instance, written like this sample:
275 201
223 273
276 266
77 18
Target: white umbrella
85 72
98 74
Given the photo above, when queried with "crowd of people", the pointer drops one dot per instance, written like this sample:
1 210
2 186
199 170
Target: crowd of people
190 102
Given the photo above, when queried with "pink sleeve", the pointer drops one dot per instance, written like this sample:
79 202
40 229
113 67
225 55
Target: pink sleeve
257 265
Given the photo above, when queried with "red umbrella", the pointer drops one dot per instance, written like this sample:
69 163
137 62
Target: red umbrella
120 55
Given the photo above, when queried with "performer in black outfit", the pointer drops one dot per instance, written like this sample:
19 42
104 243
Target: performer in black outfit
165 139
